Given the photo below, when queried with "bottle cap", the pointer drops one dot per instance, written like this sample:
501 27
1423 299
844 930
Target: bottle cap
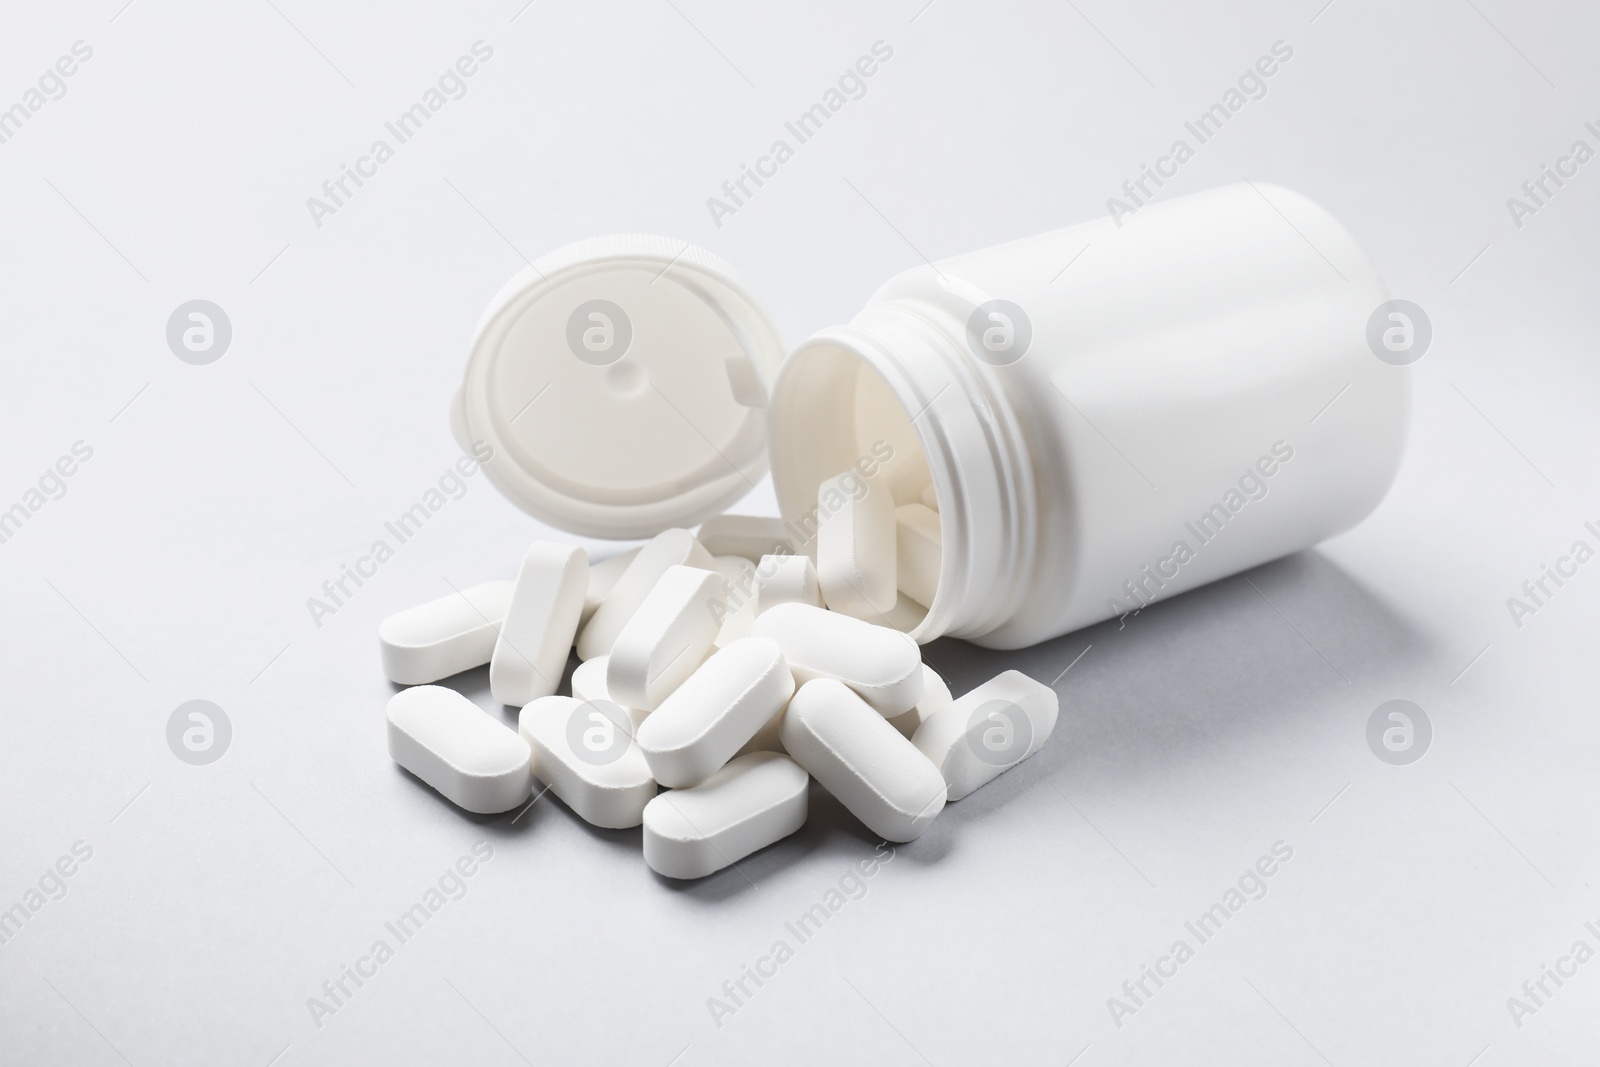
621 383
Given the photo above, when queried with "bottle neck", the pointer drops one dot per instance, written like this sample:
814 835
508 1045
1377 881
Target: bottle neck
969 436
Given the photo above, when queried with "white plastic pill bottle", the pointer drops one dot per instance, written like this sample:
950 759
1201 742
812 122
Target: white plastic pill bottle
1107 415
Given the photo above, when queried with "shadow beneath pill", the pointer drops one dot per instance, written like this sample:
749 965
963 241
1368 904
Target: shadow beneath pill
839 837
1025 780
631 839
831 830
1282 648
832 826
547 806
566 673
499 823
830 838
745 876
474 685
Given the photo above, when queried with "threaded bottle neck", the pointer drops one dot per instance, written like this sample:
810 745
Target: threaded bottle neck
966 427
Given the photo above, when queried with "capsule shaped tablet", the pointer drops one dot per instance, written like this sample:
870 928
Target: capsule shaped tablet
988 731
856 545
747 536
668 548
539 627
603 575
786 580
858 757
446 636
584 752
474 760
589 679
747 805
710 716
739 573
589 684
930 498
667 638
884 666
935 698
738 607
917 551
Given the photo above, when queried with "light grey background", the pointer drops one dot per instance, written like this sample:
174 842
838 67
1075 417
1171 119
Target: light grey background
218 498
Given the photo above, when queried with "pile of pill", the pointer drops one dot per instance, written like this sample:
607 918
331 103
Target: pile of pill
718 675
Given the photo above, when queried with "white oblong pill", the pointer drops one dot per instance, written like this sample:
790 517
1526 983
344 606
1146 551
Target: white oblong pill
589 679
786 580
667 638
988 731
446 636
935 698
858 757
738 572
474 760
856 545
589 684
747 536
715 711
603 575
738 606
917 551
668 548
883 665
539 627
584 752
747 805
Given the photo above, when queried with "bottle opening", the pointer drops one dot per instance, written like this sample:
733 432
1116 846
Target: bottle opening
835 414
898 390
